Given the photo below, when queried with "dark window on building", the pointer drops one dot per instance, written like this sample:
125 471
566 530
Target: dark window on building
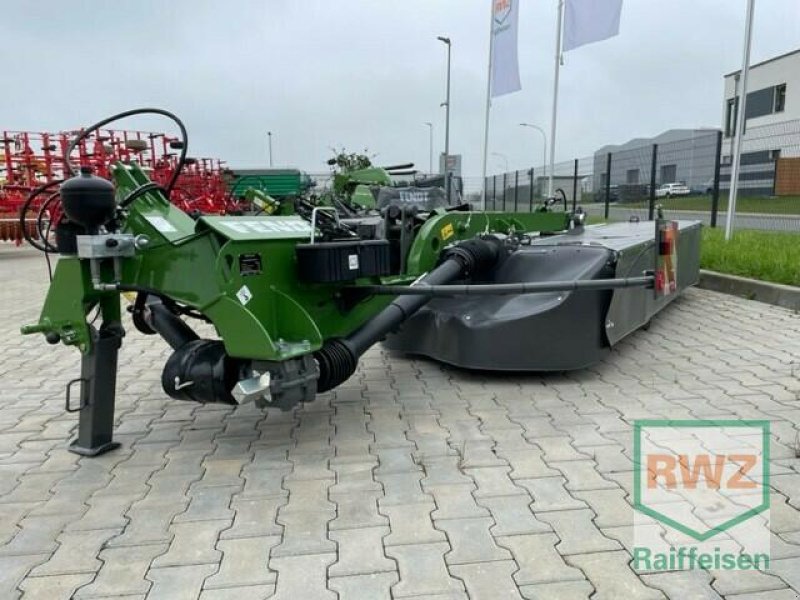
669 173
760 103
730 116
780 97
758 157
632 176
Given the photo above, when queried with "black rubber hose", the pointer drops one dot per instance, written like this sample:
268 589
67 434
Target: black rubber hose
498 289
167 324
130 113
401 308
23 214
338 358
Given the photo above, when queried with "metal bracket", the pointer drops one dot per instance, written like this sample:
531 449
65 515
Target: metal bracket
82 402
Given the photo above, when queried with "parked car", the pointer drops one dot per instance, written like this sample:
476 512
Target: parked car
672 189
613 194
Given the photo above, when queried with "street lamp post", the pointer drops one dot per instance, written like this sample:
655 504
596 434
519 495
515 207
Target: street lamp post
504 157
430 147
446 41
269 142
544 151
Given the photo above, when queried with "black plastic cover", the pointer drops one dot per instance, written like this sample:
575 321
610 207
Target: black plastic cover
331 262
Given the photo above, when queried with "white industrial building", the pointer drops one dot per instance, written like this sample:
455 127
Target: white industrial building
772 125
683 155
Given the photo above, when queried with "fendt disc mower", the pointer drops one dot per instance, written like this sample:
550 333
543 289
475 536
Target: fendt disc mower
296 300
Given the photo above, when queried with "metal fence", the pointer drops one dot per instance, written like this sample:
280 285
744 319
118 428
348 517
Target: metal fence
630 183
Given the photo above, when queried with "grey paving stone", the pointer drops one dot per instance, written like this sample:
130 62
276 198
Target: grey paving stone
303 576
456 502
244 563
568 590
77 553
360 552
612 577
527 463
357 510
513 515
610 507
493 481
308 495
688 585
411 524
305 532
423 571
255 517
577 533
375 586
549 494
557 449
582 475
402 488
442 470
10 516
538 560
610 459
470 541
193 544
105 512
123 572
149 523
354 477
264 482
744 582
178 583
784 594
489 580
247 592
788 570
13 570
395 460
54 588
208 504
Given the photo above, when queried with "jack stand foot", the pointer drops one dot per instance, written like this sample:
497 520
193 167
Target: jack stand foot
98 389
75 448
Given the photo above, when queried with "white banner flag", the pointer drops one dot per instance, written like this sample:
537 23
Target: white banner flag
505 64
587 21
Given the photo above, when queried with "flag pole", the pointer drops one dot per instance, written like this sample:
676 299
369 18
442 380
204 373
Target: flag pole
737 144
559 29
488 103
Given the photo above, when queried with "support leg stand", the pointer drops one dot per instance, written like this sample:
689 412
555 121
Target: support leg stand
98 389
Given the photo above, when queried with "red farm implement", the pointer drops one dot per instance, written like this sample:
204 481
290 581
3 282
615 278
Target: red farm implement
30 160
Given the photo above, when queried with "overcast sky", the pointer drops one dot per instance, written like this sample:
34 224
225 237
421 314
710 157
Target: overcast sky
368 73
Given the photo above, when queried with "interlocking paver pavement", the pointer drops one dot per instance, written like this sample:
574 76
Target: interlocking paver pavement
411 480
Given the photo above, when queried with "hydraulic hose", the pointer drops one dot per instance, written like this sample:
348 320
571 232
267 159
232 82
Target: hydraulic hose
338 358
497 289
167 324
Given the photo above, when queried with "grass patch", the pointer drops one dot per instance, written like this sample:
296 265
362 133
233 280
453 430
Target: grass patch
783 205
769 256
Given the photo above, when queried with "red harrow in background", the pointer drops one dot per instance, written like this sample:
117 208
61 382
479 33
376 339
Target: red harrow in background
29 160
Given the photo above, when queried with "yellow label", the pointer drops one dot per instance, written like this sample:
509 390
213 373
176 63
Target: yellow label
447 231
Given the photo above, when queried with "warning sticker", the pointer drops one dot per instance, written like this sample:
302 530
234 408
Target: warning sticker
447 231
244 295
352 261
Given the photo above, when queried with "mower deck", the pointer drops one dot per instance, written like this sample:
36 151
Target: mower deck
552 331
